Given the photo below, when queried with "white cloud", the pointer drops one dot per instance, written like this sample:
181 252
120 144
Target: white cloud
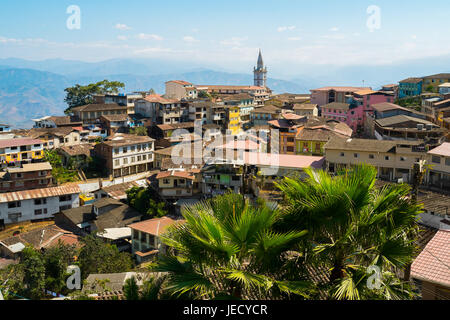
152 50
294 38
122 27
122 38
334 29
285 28
234 41
414 37
144 36
189 39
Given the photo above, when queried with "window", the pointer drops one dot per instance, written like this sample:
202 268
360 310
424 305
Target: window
144 157
342 154
402 159
436 159
42 173
40 211
117 162
133 159
66 197
133 149
447 161
38 202
371 156
125 161
67 207
355 155
166 181
387 158
116 151
14 204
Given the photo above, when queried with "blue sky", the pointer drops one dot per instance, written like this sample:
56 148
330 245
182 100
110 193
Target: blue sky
227 34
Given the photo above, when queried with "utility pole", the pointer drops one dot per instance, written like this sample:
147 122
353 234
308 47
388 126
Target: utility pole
417 178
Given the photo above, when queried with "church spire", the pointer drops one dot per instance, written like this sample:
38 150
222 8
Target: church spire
260 72
260 64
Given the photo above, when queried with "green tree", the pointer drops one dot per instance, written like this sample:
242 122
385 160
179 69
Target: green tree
352 226
56 261
96 256
131 289
139 131
143 200
79 95
33 272
228 250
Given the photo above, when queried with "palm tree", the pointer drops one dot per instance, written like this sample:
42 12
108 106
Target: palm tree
226 249
352 225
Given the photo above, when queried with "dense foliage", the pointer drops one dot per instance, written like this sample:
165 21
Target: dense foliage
81 95
333 237
146 201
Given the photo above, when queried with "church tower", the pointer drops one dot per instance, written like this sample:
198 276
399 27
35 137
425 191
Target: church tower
260 72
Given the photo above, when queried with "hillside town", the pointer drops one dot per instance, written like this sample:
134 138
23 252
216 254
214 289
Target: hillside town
126 168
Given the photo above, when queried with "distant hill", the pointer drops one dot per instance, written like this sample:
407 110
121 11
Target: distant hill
26 94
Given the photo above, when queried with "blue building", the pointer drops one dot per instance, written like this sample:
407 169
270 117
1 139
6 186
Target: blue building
410 87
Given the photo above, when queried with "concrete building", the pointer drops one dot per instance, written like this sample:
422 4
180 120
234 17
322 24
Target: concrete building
410 87
444 88
145 237
37 204
162 110
438 175
174 184
57 122
91 113
435 81
306 109
326 95
54 138
260 116
126 154
179 89
394 160
29 176
20 150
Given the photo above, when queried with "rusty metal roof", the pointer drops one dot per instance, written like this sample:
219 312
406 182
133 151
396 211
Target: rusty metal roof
39 193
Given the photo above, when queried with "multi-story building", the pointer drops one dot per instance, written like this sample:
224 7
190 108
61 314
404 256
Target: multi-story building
260 94
145 237
126 154
55 137
326 95
444 89
29 176
311 138
179 89
434 81
438 174
218 180
287 130
91 113
162 110
200 110
408 128
394 160
410 87
260 116
37 204
306 109
179 183
57 122
245 103
114 123
121 99
20 150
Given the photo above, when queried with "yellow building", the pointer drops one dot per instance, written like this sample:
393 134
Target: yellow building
435 81
21 150
234 120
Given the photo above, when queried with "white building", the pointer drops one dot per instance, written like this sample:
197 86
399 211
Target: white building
37 204
178 89
444 88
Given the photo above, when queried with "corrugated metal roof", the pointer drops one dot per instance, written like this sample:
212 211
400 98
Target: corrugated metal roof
39 193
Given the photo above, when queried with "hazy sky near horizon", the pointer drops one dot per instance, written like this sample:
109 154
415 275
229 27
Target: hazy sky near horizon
227 34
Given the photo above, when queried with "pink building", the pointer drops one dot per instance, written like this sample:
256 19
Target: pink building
326 95
356 107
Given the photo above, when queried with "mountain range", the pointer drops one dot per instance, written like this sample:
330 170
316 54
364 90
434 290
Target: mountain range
32 89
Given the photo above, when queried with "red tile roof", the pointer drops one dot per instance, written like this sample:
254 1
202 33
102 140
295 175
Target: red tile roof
177 174
155 226
6 143
433 263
